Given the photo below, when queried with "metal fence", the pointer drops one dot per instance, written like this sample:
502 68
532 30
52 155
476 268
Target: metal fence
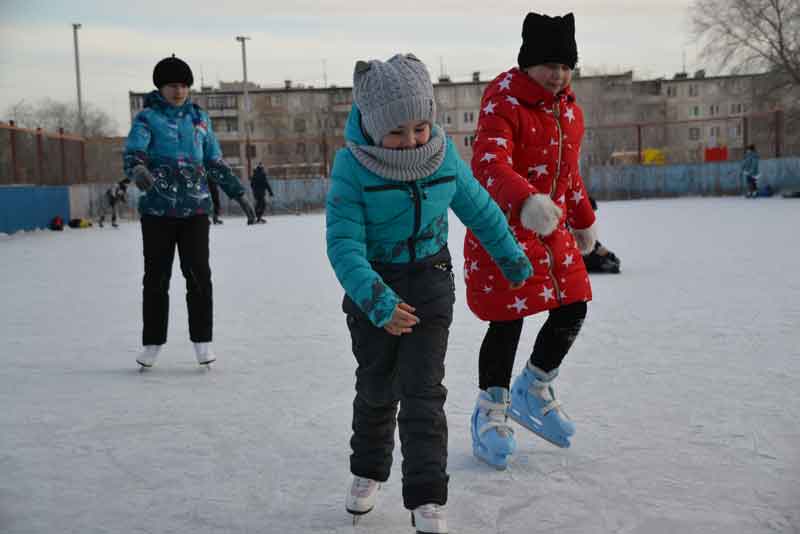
38 157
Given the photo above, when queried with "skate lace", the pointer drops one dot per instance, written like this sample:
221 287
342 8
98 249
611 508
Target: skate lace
496 415
546 393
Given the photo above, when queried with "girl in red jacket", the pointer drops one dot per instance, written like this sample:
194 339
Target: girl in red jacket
526 155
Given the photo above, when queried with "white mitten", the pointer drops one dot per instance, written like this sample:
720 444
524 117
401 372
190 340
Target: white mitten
585 239
540 214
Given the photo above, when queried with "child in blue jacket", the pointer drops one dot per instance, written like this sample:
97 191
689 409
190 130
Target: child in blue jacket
171 153
387 242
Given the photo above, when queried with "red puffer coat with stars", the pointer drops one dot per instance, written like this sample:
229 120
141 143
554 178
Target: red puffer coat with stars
528 142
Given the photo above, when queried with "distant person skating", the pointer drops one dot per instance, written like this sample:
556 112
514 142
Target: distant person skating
260 185
170 153
213 190
750 170
110 199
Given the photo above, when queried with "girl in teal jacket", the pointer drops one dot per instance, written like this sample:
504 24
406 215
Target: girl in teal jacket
387 226
170 154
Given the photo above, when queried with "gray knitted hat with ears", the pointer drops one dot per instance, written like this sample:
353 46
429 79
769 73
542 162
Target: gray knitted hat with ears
391 93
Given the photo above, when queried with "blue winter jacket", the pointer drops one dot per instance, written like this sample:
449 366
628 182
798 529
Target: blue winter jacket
750 163
373 219
179 148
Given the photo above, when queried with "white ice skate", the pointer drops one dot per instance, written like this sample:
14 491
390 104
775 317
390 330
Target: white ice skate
205 355
429 519
148 356
361 497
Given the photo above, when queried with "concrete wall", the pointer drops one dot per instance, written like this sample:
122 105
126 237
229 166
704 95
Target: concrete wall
29 208
648 181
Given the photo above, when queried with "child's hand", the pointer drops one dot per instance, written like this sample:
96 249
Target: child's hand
402 320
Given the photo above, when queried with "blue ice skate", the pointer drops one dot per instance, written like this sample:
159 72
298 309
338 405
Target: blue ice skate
534 406
492 436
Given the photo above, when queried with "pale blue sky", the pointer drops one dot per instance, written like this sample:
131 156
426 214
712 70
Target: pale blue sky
120 43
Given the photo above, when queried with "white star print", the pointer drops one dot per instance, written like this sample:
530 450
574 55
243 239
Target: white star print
519 304
540 170
487 289
545 261
513 101
489 107
568 260
474 266
500 141
509 160
488 157
561 199
505 84
546 294
570 114
563 295
553 141
523 246
489 182
577 196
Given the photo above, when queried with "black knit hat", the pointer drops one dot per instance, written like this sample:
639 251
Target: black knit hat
548 40
172 70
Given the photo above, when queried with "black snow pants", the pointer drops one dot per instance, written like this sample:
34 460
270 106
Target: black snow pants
407 370
160 236
261 202
499 347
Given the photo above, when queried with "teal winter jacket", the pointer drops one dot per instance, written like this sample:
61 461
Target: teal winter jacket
371 219
178 146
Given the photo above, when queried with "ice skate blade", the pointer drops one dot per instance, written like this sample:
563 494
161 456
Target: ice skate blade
206 365
143 367
357 514
558 441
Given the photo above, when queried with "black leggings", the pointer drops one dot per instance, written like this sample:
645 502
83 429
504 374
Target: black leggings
499 346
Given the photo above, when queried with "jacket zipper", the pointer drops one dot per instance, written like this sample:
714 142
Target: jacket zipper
415 196
550 257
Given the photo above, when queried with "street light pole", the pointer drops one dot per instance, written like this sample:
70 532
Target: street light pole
75 28
242 40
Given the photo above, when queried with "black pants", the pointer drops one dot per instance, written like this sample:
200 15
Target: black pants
160 235
213 190
408 371
499 346
261 203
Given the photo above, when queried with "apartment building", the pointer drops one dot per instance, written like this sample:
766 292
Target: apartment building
295 130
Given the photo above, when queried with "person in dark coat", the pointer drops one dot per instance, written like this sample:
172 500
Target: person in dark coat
260 185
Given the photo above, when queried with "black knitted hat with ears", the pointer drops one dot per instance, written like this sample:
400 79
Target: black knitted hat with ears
172 70
548 40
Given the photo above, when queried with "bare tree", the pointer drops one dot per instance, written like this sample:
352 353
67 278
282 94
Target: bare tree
52 115
751 35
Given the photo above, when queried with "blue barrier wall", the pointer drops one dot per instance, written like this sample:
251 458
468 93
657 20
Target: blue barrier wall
648 181
28 208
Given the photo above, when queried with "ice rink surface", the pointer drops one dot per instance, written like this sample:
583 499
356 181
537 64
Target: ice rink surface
683 385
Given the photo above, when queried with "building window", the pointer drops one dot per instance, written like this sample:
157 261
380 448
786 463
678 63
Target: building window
713 132
736 109
736 131
694 134
672 91
137 103
251 151
469 116
694 90
301 149
221 102
469 140
299 125
713 110
694 111
229 149
269 149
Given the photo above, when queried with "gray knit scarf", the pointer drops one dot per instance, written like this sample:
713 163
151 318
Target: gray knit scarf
402 165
